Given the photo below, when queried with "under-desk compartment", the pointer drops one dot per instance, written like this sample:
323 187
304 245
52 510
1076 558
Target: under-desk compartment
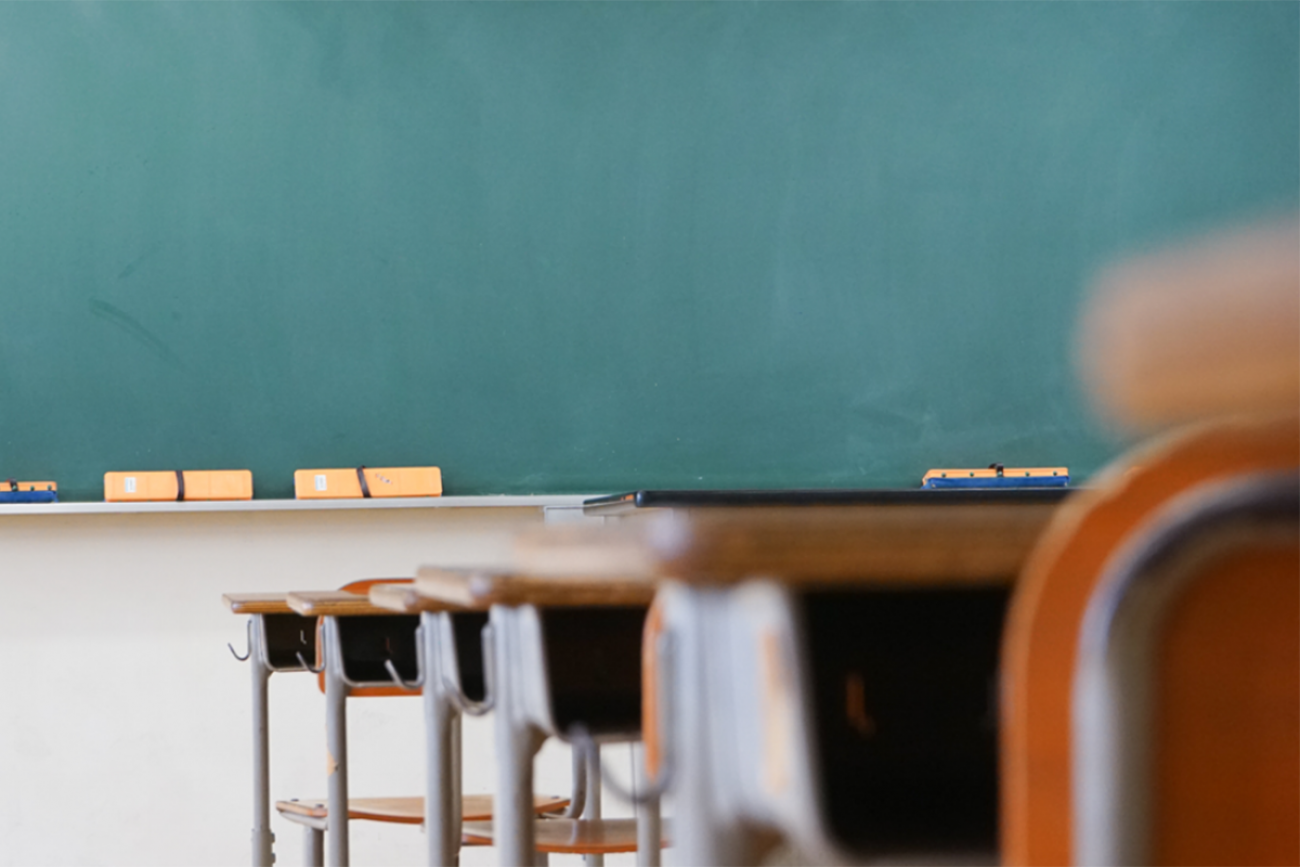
905 716
593 663
285 636
467 633
368 641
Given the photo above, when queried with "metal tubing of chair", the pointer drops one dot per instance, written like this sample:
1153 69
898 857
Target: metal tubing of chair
516 742
578 784
336 744
263 838
313 847
591 810
649 827
442 835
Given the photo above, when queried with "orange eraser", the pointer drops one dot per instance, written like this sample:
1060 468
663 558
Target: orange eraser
166 485
379 482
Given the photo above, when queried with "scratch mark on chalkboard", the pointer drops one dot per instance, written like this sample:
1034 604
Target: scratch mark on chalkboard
127 323
130 268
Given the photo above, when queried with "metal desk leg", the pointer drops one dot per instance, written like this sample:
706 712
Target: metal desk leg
701 834
517 741
441 820
263 839
336 744
591 809
457 788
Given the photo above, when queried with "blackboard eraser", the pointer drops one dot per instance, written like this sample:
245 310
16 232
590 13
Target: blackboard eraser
28 492
167 485
362 482
998 476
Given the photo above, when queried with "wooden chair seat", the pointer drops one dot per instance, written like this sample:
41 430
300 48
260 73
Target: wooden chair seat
409 811
569 836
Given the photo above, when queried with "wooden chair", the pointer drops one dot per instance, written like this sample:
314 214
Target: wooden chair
821 674
565 654
1153 645
1152 697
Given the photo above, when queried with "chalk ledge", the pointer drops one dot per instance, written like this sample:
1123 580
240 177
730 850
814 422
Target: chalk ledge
535 501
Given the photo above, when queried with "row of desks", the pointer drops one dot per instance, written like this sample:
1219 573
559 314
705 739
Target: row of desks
821 667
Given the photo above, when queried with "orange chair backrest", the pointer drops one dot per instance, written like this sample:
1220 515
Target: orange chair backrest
1042 637
1226 724
650 709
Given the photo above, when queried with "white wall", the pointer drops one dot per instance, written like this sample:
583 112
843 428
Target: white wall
125 723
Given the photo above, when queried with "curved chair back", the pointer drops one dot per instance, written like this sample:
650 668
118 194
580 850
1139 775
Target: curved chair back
1151 701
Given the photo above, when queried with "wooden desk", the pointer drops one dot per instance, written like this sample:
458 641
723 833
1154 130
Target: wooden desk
479 590
816 545
856 647
276 636
546 633
257 603
335 603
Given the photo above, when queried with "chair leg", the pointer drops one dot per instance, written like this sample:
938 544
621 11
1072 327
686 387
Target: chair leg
591 809
649 827
313 847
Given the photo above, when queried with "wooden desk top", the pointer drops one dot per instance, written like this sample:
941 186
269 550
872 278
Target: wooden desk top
333 603
406 599
258 603
1198 331
903 544
480 590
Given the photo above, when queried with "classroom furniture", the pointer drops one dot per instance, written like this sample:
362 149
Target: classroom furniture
368 650
1152 700
452 644
277 638
823 674
1199 331
259 545
565 653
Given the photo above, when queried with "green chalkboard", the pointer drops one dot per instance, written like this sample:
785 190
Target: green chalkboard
587 247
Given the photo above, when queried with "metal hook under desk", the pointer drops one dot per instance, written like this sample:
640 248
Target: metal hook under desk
303 662
248 643
409 686
458 699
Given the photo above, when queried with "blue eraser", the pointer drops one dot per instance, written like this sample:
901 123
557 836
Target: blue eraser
29 496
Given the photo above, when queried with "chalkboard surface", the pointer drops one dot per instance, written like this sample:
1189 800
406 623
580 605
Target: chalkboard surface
589 247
